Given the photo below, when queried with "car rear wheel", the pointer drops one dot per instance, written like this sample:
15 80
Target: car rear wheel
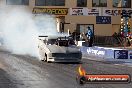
45 58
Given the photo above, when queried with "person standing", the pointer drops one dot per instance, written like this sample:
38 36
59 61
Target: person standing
90 36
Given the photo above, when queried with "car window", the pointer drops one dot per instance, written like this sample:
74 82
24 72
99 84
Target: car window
51 41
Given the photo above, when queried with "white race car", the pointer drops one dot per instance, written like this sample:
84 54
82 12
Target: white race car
58 49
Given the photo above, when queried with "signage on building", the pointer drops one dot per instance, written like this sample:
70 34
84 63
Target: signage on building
120 54
103 19
51 11
116 12
85 11
94 12
77 11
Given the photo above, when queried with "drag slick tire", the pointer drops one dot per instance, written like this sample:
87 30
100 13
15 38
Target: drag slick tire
45 58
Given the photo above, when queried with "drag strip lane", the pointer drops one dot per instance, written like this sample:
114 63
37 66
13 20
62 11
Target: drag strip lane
37 71
29 72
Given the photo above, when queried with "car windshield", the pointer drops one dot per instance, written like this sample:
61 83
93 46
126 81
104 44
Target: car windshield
51 41
63 43
60 42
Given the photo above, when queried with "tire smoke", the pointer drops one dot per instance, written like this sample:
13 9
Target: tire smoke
20 30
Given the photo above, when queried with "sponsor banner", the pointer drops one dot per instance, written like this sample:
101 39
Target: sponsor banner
85 11
116 12
121 54
103 19
99 52
78 11
84 50
109 54
51 11
130 54
94 12
93 51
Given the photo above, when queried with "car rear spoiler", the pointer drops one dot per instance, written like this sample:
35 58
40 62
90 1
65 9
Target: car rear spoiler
42 36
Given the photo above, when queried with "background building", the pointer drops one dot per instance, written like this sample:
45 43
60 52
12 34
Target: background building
103 16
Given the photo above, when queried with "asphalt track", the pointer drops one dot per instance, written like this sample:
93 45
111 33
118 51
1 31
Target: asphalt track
19 71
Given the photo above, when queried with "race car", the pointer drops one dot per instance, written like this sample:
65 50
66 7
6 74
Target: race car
58 49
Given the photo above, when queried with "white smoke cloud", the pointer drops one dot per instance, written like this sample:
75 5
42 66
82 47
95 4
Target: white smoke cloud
21 29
